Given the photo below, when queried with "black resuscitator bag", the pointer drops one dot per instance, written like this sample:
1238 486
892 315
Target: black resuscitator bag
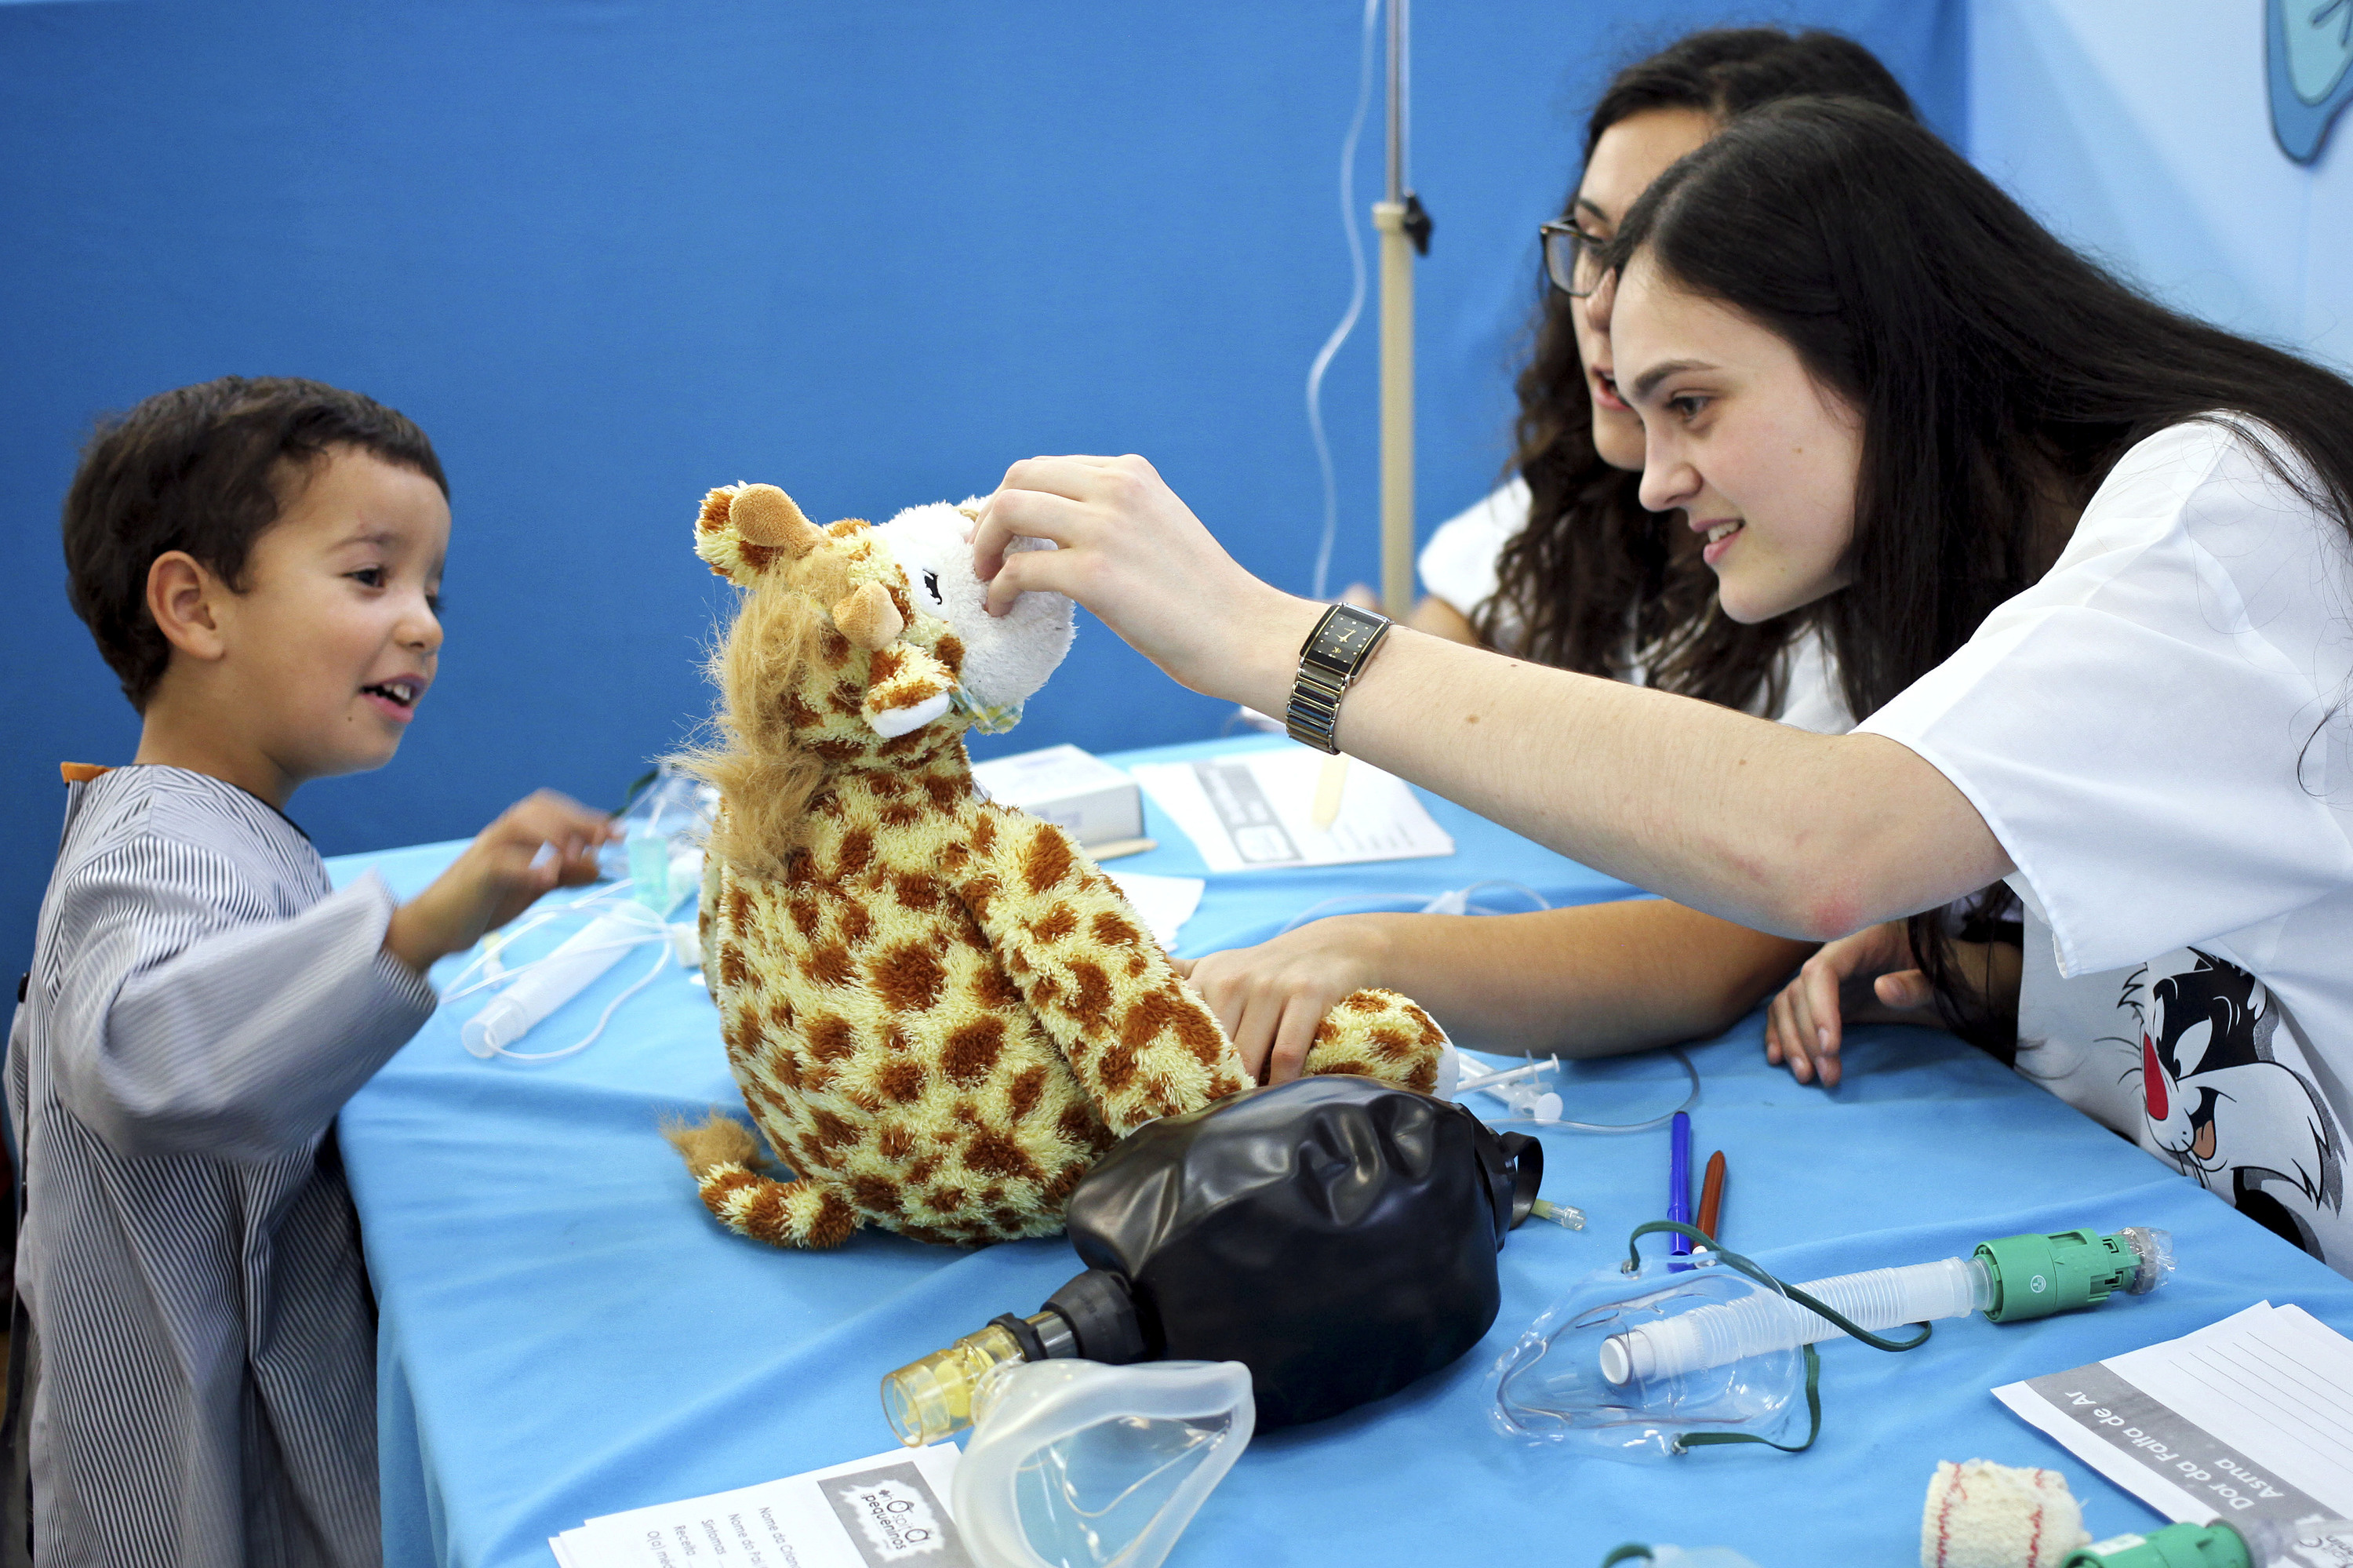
1335 1235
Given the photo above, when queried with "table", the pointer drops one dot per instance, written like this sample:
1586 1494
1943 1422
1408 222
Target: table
566 1332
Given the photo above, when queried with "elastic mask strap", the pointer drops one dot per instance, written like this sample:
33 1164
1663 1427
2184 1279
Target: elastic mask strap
1813 1417
1810 1302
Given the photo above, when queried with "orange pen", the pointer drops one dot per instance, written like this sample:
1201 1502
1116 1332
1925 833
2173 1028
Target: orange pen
1711 1193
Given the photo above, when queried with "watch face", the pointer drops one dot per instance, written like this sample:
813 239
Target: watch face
1346 635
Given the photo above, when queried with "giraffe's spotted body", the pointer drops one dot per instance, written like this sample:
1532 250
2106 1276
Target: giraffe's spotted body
938 1010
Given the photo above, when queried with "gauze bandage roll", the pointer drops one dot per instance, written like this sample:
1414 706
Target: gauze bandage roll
1984 1515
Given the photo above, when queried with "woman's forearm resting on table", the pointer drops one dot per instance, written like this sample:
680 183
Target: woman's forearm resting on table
1594 980
1439 619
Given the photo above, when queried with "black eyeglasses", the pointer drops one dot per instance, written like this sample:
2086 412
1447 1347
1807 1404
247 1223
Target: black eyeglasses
1572 258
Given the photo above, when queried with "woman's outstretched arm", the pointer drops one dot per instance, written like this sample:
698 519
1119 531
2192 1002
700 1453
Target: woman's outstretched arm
1809 836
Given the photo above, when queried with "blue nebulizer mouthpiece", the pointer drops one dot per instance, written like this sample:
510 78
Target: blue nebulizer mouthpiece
1552 1387
1073 1464
659 846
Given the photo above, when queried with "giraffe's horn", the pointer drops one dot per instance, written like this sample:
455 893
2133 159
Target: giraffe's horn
868 618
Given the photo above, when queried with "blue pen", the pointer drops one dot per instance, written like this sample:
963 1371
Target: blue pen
1679 1205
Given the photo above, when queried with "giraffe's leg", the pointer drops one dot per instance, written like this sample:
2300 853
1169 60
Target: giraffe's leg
1378 1034
1137 1039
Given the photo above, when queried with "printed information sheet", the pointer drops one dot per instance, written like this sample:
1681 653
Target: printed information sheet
886 1511
1256 810
2249 1418
1165 902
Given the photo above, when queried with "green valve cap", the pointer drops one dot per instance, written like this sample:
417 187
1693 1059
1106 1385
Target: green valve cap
2175 1546
2252 1543
2036 1276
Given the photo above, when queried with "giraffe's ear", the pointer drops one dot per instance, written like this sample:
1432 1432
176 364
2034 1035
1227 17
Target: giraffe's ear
763 514
743 530
868 618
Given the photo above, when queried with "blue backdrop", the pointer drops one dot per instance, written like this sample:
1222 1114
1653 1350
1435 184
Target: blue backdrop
611 254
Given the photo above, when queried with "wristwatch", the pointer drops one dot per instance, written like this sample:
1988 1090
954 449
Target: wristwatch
1329 660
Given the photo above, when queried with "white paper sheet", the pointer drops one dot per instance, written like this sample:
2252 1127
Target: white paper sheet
1251 810
889 1510
1165 902
2248 1418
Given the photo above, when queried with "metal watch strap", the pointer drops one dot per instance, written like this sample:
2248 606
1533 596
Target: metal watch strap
1331 659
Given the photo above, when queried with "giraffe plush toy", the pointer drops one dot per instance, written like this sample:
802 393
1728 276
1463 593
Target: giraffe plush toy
938 1010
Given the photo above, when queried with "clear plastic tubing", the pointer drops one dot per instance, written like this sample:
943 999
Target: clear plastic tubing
1875 1300
549 982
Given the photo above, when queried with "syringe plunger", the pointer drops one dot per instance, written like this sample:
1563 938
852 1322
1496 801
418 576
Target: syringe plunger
548 983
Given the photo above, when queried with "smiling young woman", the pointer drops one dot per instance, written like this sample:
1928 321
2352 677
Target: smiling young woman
1568 565
2089 586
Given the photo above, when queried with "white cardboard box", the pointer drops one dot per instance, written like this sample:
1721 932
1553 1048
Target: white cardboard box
1082 794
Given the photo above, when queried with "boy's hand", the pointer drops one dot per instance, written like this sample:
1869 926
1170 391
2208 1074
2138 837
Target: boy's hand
1272 998
541 842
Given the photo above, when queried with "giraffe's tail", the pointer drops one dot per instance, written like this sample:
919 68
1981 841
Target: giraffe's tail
720 1153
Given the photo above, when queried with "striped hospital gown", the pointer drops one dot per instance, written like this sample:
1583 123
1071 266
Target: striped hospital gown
201 1004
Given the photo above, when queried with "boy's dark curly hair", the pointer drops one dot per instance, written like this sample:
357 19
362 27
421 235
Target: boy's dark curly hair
204 468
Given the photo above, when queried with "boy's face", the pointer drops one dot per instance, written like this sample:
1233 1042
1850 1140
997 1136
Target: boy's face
337 634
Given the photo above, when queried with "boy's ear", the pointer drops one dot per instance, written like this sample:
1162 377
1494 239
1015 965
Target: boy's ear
184 598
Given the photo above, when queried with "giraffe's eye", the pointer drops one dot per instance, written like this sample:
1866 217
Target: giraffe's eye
932 587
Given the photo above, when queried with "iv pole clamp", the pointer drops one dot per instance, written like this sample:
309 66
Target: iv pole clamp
1401 222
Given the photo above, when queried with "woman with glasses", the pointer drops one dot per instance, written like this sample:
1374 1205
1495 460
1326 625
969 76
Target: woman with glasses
2085 564
1566 566
1563 565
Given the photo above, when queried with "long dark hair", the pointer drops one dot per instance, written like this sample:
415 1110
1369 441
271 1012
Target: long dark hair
1592 578
1999 376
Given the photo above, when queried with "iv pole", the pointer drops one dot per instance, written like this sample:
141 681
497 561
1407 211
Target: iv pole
1404 229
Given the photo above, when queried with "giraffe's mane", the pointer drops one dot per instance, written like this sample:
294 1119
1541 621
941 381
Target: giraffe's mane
764 775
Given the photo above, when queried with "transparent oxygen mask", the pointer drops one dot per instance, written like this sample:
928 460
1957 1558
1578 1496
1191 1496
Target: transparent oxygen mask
1073 1464
1551 1387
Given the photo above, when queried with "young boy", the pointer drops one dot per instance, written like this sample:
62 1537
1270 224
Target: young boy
259 561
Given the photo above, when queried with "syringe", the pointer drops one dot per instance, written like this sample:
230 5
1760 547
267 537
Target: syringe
2010 1281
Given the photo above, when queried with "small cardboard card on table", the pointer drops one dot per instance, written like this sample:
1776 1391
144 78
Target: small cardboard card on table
1080 794
889 1510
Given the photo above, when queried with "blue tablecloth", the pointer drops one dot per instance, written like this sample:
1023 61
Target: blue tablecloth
566 1332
